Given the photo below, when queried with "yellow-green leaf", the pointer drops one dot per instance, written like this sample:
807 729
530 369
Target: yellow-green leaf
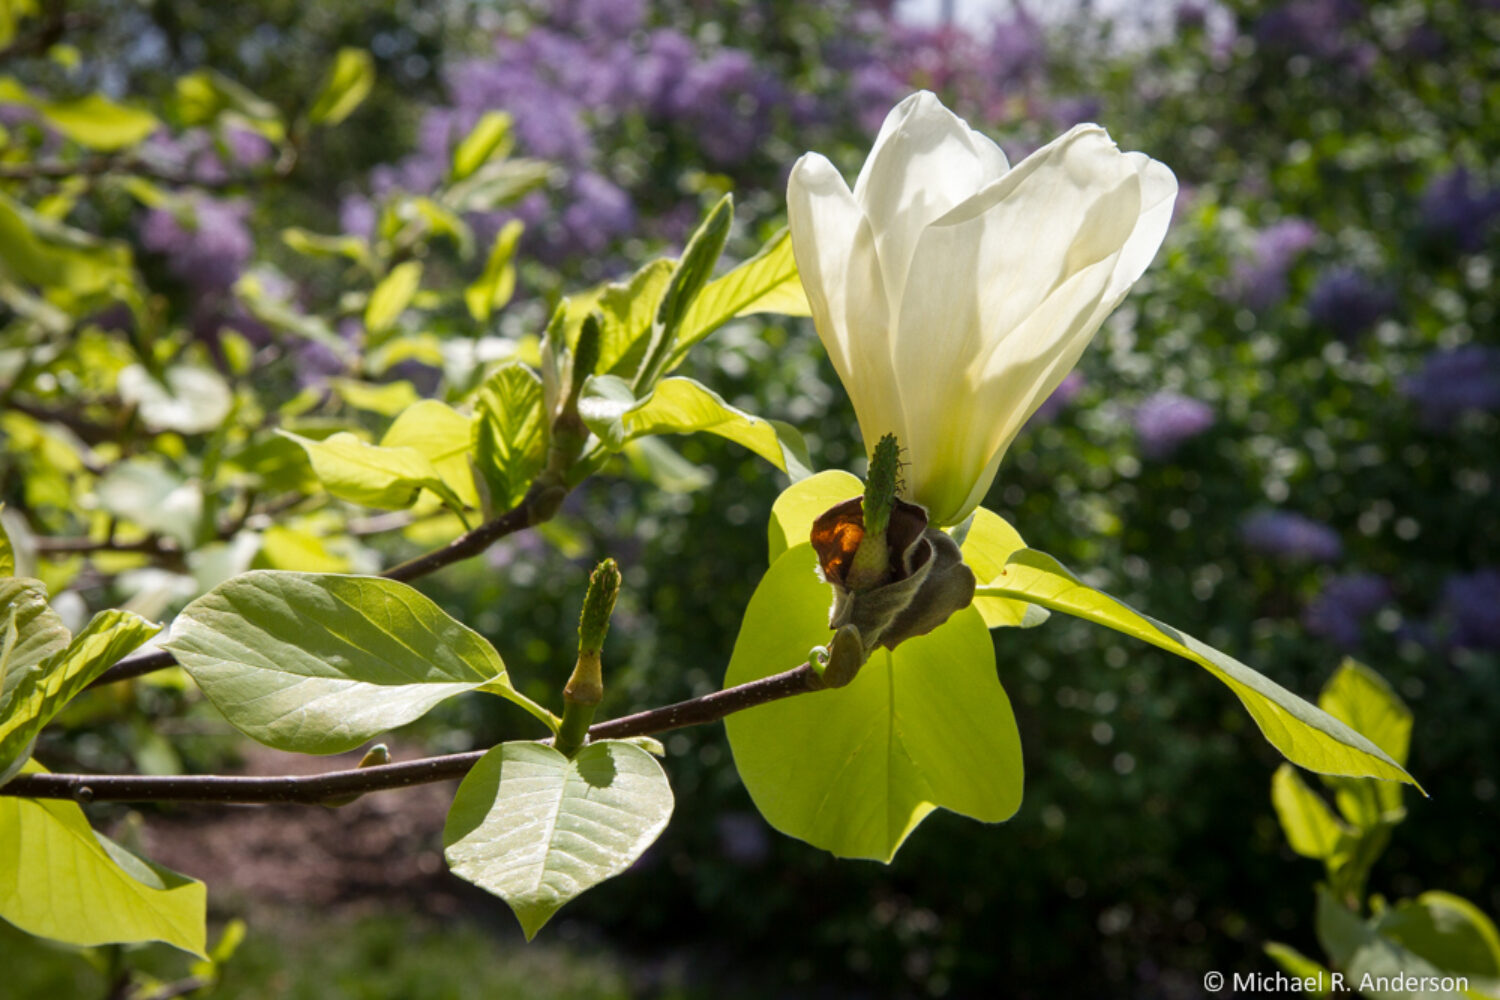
1310 826
766 283
386 478
1305 735
445 436
798 506
97 122
991 540
61 880
391 297
489 137
493 289
510 433
348 84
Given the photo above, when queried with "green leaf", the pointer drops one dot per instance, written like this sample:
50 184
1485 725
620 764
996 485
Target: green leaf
321 663
444 436
1299 966
1310 826
152 495
391 297
7 553
766 283
384 398
385 478
854 770
60 259
61 880
1305 735
348 84
538 829
688 278
493 289
989 541
489 137
203 96
1360 697
1447 930
683 406
32 694
510 433
798 506
97 122
1361 951
317 245
190 399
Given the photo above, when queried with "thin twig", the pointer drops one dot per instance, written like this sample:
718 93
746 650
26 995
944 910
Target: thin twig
319 788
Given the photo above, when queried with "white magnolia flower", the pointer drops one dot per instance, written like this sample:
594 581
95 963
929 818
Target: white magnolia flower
954 293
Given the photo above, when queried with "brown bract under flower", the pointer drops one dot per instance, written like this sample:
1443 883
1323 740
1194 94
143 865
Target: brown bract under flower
925 583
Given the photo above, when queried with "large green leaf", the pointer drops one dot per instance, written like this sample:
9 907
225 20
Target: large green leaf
537 829
1305 735
61 880
510 433
494 287
371 475
320 663
854 770
627 311
444 436
683 406
348 84
1448 931
1377 965
990 540
767 282
32 695
148 492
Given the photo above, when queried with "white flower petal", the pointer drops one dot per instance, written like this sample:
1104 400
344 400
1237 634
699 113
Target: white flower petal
834 247
925 162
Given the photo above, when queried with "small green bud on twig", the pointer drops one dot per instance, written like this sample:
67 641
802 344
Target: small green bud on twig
374 757
585 688
569 433
871 566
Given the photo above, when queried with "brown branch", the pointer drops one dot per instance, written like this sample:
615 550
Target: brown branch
319 788
152 544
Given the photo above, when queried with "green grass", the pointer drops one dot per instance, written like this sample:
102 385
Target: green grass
298 957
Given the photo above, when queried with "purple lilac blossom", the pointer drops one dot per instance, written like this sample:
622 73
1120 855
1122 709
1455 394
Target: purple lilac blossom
1348 303
1291 536
1167 419
1067 390
1261 279
208 251
1344 607
1457 213
1317 28
1472 603
1455 381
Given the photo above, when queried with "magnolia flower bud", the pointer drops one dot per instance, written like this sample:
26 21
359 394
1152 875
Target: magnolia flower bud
954 293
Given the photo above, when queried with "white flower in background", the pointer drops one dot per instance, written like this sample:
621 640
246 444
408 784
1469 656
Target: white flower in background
954 293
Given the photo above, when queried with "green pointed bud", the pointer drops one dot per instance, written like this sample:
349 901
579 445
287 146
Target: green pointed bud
374 757
585 689
585 354
871 566
569 433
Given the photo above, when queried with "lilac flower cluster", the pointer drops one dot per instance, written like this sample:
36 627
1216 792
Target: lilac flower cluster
1343 608
1319 29
1348 303
1471 602
1286 535
1167 419
1456 213
206 249
581 67
1261 279
1452 382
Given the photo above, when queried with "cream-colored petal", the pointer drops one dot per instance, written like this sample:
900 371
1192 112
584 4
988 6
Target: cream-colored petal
836 257
925 162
